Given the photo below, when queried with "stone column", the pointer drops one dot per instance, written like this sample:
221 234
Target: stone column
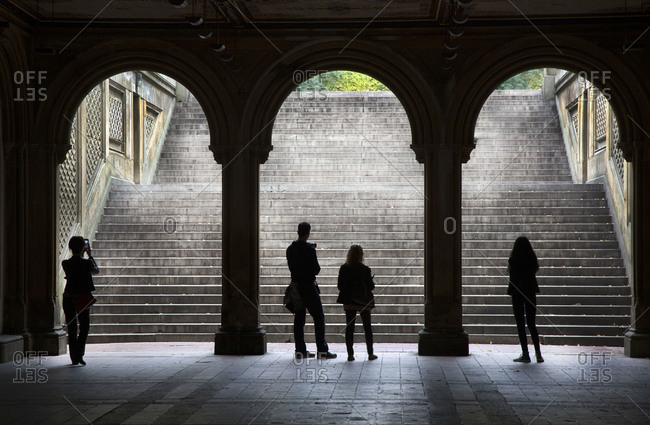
139 112
443 332
637 338
14 310
240 331
43 306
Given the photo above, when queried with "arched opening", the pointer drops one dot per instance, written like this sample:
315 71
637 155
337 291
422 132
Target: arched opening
342 161
547 165
140 182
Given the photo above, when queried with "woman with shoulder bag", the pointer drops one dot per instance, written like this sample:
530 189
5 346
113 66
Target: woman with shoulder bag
355 285
77 297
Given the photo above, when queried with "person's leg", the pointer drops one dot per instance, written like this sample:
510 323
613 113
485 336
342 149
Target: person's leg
367 328
84 328
350 320
71 321
299 330
315 308
518 309
531 311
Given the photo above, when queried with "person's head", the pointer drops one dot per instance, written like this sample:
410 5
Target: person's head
76 245
522 249
355 255
304 229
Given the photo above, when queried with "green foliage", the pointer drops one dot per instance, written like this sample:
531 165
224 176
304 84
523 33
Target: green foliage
342 81
528 80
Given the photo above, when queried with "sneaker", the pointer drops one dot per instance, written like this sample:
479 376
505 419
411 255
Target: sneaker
539 357
372 357
306 354
350 358
524 358
326 355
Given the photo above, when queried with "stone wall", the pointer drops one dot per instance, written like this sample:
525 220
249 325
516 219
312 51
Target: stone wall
591 136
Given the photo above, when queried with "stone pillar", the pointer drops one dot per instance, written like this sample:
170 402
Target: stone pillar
13 324
240 331
139 112
14 280
443 332
584 111
637 338
43 306
548 84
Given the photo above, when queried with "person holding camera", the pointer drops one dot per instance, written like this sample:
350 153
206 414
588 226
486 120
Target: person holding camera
355 285
77 297
303 264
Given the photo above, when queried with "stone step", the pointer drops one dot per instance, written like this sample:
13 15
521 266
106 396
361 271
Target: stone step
324 151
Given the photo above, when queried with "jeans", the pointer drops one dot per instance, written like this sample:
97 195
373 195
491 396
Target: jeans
76 342
313 304
525 305
350 319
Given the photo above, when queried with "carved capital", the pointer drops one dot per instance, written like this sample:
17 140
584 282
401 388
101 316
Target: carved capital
61 151
463 150
261 152
220 153
224 154
420 152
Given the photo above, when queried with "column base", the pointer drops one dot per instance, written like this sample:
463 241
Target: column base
443 343
53 343
636 344
9 345
240 343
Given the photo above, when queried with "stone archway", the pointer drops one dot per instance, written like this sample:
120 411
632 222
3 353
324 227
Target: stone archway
66 87
386 65
442 333
629 100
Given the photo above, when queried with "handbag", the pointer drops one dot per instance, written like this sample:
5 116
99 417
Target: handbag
292 299
84 301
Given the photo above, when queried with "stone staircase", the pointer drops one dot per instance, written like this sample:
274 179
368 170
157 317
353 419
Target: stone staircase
159 245
518 182
344 164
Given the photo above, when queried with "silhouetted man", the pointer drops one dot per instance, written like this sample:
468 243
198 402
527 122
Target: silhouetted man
303 264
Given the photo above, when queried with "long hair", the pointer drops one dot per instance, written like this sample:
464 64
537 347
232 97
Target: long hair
355 255
522 252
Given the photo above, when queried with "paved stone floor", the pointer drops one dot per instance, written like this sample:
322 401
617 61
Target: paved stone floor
184 383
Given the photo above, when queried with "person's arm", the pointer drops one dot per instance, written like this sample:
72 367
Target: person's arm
316 266
340 283
93 266
371 283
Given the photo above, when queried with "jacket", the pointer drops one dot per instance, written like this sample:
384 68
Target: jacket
78 275
355 285
522 277
303 264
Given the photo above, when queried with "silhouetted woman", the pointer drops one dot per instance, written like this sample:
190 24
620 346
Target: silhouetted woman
523 288
77 297
355 285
